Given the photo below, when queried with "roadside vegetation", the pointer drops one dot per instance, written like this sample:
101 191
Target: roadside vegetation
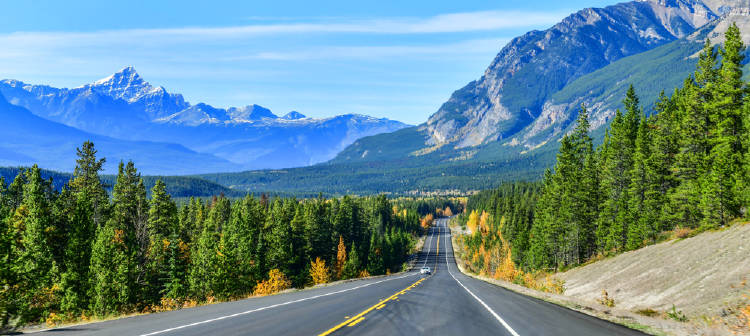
81 252
670 174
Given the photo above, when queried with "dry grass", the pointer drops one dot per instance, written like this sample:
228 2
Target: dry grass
681 233
647 312
606 300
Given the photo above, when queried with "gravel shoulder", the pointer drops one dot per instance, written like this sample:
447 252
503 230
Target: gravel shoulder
702 276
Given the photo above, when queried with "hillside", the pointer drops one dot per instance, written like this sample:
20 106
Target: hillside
703 276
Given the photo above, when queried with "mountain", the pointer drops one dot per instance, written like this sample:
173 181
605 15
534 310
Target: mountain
26 139
515 90
507 125
294 115
125 106
532 90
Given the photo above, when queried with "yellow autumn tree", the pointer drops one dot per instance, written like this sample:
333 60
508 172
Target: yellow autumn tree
506 270
473 221
319 271
340 257
427 221
275 283
484 222
447 212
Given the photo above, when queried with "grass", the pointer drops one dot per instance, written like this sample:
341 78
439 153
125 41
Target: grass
647 312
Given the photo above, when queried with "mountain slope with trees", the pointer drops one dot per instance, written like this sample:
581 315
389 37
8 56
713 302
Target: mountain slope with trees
682 169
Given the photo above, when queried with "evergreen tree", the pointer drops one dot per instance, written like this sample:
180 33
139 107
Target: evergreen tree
617 163
89 209
641 225
352 265
694 125
125 285
375 263
35 267
318 233
279 239
721 198
164 255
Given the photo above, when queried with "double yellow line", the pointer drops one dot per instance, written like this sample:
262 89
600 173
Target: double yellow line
354 320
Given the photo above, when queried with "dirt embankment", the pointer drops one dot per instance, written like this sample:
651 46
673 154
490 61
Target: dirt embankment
707 277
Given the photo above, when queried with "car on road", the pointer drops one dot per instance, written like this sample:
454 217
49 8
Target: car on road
425 270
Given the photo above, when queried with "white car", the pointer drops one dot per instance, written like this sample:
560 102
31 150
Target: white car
425 270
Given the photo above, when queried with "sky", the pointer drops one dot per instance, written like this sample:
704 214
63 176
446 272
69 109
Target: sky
393 59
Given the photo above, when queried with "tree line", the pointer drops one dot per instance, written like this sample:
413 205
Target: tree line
80 251
683 168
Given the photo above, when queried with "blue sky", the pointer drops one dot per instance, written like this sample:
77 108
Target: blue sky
393 59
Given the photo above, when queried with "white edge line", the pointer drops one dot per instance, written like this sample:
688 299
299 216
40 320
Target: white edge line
499 319
429 249
285 303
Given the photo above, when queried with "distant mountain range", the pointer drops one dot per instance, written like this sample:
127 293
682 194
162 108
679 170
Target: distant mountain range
129 118
507 124
503 126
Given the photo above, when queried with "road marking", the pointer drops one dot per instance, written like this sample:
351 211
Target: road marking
357 318
272 306
356 321
499 319
381 303
429 249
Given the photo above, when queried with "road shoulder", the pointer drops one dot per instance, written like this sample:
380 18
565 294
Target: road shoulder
623 317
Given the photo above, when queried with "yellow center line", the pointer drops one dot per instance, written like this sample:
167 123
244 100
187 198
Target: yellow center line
354 320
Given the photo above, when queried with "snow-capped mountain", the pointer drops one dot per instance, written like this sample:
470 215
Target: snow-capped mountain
125 106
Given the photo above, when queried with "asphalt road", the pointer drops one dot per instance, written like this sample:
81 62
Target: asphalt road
444 303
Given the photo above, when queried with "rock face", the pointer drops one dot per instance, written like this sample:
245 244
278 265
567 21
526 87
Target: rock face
126 107
516 86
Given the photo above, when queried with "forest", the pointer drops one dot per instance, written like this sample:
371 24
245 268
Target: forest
81 252
680 170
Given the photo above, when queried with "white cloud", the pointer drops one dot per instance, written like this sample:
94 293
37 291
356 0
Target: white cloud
467 47
444 23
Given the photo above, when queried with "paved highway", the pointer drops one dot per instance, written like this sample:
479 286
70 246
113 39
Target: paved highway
444 303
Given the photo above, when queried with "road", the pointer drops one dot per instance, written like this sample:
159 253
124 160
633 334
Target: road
444 303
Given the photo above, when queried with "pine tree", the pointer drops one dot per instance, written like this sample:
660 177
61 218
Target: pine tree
375 263
125 285
164 255
721 198
641 224
617 164
7 275
279 238
110 270
89 211
35 266
318 233
298 263
352 265
205 263
683 208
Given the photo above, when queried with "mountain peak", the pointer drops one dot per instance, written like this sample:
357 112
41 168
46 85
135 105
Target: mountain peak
294 115
125 84
251 112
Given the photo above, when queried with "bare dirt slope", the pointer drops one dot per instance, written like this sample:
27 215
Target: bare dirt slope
703 276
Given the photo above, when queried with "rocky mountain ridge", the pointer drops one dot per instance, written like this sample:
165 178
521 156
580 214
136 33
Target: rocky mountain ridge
515 87
124 106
